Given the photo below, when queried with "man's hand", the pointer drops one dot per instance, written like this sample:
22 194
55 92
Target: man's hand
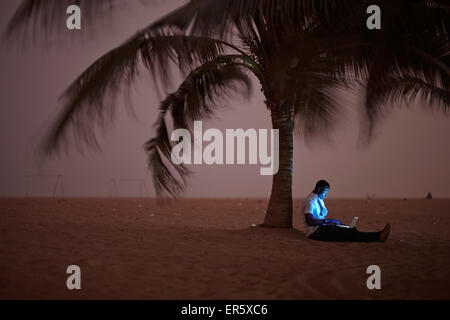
331 222
311 221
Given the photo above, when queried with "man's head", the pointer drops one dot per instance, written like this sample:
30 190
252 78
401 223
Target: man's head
322 188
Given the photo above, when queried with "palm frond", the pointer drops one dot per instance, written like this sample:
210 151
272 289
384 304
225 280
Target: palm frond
399 87
412 44
37 19
306 75
159 50
89 103
316 106
402 71
218 18
196 98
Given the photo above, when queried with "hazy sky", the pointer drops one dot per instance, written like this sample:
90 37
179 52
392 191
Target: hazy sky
409 158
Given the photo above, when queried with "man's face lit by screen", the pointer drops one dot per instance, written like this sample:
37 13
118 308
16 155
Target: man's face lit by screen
324 193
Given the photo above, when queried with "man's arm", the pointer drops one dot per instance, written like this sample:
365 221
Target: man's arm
311 221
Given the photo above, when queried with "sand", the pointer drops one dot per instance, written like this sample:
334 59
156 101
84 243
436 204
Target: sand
208 249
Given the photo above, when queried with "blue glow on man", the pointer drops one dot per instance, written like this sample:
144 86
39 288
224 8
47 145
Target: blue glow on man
317 227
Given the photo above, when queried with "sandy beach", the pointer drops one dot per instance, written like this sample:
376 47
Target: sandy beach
209 249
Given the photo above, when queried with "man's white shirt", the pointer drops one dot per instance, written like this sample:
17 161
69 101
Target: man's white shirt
315 206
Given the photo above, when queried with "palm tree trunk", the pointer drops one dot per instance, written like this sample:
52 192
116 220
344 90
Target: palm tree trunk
279 211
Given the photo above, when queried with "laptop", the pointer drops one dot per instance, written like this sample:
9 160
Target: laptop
352 225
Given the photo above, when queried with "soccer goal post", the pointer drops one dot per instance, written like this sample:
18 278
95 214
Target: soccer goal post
44 185
126 184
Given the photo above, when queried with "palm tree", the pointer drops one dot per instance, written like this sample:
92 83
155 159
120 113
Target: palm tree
298 50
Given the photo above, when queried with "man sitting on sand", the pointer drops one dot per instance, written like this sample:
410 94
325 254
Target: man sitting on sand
319 228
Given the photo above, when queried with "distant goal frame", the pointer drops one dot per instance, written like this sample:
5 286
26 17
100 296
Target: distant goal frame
114 189
59 182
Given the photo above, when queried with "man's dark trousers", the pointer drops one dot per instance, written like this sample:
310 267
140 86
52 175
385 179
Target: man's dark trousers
334 233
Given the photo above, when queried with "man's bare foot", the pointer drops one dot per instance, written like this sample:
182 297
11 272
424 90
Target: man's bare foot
384 234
